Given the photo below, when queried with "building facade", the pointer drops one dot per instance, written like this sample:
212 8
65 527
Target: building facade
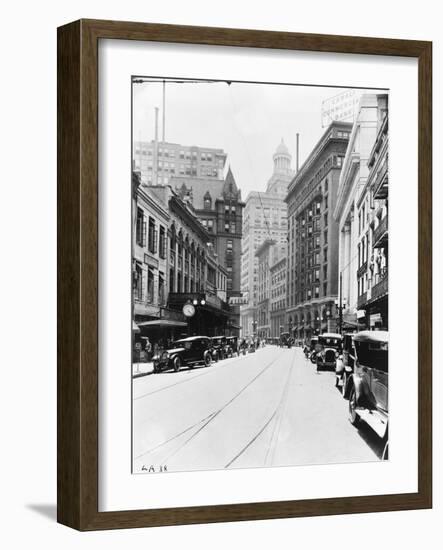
149 258
352 212
372 251
268 254
312 278
158 162
195 273
219 207
278 296
265 217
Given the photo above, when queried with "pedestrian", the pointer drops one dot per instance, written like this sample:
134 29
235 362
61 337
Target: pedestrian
148 350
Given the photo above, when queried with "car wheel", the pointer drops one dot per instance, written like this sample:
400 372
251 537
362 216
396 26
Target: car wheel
177 363
207 359
354 419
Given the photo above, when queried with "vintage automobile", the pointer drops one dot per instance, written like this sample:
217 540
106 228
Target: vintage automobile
285 340
344 365
368 385
186 352
220 346
329 347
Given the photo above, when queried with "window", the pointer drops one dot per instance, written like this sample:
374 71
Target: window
162 243
326 186
325 237
317 291
152 236
325 254
211 225
207 202
138 282
339 161
325 219
140 231
150 294
229 246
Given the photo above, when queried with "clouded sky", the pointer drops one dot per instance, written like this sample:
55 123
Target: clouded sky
246 120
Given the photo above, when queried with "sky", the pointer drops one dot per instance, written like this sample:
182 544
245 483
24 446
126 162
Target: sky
247 120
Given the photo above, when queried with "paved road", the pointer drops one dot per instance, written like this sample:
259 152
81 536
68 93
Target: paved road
269 408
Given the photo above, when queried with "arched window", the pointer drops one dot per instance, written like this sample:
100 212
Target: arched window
207 201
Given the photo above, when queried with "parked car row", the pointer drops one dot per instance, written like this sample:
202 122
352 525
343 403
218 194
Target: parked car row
360 361
196 350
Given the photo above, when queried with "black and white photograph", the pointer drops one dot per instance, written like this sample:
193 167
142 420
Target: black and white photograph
260 319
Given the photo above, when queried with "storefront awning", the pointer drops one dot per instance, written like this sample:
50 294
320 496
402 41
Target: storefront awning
163 323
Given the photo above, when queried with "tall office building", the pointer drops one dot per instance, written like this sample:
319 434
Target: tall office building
264 217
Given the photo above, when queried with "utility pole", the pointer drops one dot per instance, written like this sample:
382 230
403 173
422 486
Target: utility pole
297 152
164 113
155 167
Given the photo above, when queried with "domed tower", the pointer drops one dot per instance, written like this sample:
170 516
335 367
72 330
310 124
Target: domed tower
282 175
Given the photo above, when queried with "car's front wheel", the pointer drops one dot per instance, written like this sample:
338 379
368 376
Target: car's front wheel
353 416
177 363
207 360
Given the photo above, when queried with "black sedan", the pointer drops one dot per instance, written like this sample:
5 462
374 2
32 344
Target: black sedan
185 352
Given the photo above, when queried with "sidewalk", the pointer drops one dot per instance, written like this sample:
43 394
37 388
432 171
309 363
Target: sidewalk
142 369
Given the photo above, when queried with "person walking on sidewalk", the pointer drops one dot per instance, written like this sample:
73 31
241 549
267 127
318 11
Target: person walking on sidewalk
148 350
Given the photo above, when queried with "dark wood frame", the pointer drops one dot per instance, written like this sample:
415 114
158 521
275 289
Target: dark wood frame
77 457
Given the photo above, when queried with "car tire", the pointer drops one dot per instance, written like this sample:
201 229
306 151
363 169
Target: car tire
354 419
207 360
177 363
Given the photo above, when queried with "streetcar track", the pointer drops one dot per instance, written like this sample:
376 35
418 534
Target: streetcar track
282 406
184 381
277 409
207 419
173 437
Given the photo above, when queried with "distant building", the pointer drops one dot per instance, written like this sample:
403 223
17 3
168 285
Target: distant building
340 107
264 217
277 298
158 162
312 283
352 212
267 254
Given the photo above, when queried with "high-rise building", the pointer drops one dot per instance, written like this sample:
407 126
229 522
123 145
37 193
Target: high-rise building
264 217
312 282
157 162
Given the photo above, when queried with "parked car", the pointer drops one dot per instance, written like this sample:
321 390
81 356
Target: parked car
186 352
368 385
329 347
344 365
220 346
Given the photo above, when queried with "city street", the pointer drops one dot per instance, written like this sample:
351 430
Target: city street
268 408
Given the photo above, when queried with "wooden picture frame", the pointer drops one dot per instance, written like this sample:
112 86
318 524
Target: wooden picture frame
77 480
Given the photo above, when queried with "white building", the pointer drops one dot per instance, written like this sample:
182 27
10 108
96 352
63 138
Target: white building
352 210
